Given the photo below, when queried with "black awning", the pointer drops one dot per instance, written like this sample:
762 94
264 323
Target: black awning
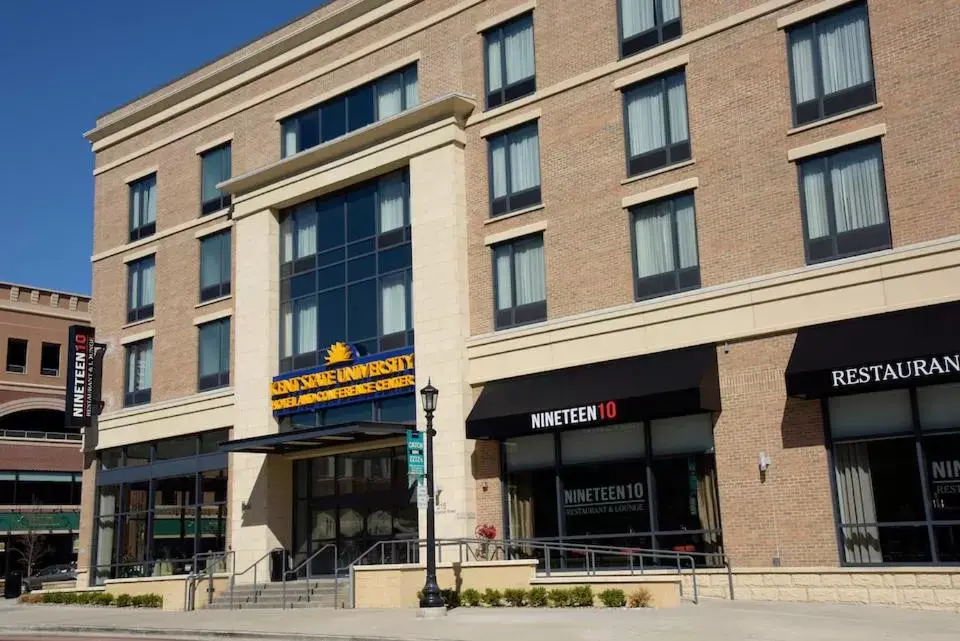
672 383
885 351
311 438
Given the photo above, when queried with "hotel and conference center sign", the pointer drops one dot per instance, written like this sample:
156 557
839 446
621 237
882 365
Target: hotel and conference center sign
344 378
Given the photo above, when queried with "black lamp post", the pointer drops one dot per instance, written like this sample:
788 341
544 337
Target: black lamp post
431 591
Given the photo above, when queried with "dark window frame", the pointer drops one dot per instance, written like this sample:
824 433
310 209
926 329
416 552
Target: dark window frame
535 312
671 282
820 107
673 152
512 201
16 368
523 87
660 33
224 240
221 378
49 371
136 350
863 234
223 199
141 312
143 230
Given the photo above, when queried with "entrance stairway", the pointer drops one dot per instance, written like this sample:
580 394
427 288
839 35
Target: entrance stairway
316 593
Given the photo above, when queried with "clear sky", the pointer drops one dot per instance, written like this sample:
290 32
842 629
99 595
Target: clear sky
62 64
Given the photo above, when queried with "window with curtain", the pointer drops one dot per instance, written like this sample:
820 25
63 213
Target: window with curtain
345 272
139 372
647 23
143 207
831 68
665 247
214 168
520 290
844 202
215 266
511 71
514 169
656 123
362 106
214 356
140 289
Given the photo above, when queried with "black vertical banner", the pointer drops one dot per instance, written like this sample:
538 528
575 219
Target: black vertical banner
80 371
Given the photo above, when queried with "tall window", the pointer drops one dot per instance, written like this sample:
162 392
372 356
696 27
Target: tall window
830 65
367 104
844 203
345 272
17 355
646 23
143 207
214 168
665 247
520 282
514 169
511 71
215 266
50 359
214 357
140 289
139 374
656 116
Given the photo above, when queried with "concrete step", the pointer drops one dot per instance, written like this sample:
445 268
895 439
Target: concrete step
299 594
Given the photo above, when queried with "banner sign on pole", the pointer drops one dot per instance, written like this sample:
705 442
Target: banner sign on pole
415 460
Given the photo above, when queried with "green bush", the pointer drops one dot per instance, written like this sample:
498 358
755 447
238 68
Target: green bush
470 597
492 598
124 601
537 597
451 598
613 598
581 596
640 599
516 597
103 598
559 597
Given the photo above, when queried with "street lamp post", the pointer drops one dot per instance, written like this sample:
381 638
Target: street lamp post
431 597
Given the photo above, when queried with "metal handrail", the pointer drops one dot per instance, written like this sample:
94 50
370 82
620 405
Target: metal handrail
211 558
283 597
234 574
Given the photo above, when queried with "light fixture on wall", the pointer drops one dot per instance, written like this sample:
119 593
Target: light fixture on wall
765 461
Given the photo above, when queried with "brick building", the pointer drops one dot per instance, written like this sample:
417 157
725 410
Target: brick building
40 459
680 270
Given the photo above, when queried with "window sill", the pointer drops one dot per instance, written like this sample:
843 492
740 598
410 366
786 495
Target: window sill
213 301
657 172
139 322
214 213
17 373
57 375
837 118
513 214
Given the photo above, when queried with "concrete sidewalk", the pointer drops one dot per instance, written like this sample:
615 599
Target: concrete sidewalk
713 620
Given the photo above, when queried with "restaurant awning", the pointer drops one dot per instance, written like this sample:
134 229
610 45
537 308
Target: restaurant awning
311 438
871 353
671 383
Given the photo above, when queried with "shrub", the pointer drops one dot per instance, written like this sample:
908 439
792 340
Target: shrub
640 599
581 596
124 601
154 601
492 598
516 597
85 598
559 597
451 598
470 597
103 598
613 598
537 597
31 598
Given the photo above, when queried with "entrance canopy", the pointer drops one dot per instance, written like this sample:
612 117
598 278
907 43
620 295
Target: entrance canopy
885 351
308 439
672 383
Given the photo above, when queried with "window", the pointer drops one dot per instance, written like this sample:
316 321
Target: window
647 23
520 283
656 117
139 372
215 266
665 247
369 103
140 289
214 168
50 359
214 370
143 207
831 68
514 169
844 203
345 272
16 355
511 71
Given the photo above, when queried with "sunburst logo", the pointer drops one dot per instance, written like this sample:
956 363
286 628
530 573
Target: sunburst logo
339 353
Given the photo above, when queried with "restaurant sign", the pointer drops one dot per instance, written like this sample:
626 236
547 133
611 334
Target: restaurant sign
345 378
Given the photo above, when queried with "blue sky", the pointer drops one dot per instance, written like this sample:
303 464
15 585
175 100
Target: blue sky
62 64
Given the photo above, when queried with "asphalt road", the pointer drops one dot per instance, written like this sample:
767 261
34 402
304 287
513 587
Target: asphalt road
74 638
